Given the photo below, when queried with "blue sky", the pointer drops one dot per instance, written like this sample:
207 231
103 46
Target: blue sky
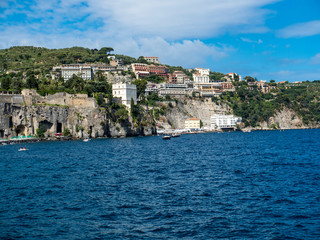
267 39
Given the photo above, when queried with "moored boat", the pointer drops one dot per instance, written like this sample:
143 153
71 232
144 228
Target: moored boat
166 137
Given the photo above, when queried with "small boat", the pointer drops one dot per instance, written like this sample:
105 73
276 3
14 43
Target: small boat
86 139
22 149
246 130
166 137
175 135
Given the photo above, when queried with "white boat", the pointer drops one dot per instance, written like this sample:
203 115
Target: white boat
175 135
86 139
23 149
166 137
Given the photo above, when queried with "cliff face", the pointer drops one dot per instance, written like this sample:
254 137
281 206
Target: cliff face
22 119
191 108
203 109
19 118
286 119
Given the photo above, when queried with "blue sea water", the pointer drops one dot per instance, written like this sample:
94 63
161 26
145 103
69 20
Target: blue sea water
259 185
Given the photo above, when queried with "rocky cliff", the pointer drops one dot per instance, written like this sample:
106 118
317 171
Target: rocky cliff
23 119
203 109
195 108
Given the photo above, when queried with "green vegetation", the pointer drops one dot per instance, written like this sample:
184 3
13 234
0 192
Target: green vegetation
40 131
216 76
254 106
43 59
66 132
155 78
30 67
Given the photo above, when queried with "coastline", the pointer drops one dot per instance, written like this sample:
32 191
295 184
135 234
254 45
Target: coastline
4 142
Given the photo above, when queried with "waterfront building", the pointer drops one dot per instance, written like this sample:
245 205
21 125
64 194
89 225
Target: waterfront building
219 121
192 123
126 92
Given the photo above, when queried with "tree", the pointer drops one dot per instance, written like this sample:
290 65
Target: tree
5 82
32 82
105 50
249 79
141 86
216 76
40 131
142 60
66 132
76 83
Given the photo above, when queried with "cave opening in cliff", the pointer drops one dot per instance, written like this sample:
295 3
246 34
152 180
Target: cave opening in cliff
10 122
46 125
1 133
59 127
20 130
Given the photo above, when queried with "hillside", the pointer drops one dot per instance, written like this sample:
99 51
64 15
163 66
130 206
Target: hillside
30 67
43 59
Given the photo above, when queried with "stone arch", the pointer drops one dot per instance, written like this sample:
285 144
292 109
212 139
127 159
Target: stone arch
46 125
20 130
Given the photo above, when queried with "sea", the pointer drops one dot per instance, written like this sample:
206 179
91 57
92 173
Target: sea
257 185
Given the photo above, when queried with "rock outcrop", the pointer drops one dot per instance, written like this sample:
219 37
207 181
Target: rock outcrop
203 109
81 121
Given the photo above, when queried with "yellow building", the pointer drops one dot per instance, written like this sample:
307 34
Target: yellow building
192 123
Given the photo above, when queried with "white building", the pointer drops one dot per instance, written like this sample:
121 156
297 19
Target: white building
81 70
224 121
201 75
126 92
198 78
203 71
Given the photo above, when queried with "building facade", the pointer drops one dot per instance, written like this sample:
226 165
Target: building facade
81 70
143 70
178 77
192 123
219 121
126 92
152 59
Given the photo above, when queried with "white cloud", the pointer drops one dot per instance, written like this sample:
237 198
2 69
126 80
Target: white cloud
187 53
316 59
259 41
300 30
173 20
166 28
